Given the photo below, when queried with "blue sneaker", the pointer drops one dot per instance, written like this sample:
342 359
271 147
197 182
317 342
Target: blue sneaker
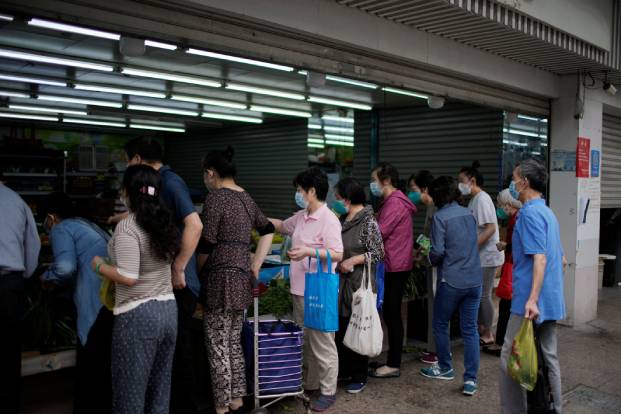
470 388
323 403
356 387
435 372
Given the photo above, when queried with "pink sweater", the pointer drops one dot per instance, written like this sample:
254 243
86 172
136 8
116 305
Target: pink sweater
395 222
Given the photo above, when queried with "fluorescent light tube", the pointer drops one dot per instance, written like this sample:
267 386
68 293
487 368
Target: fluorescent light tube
14 94
194 80
404 92
240 60
47 109
214 115
519 144
529 118
264 91
351 82
280 111
73 29
314 126
11 54
303 72
160 109
92 122
525 133
339 130
160 45
340 143
208 101
330 101
156 128
6 17
26 116
311 145
339 137
543 144
83 101
338 119
315 140
122 91
29 79
316 136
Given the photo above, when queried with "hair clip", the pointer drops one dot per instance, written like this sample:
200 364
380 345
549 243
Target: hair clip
150 190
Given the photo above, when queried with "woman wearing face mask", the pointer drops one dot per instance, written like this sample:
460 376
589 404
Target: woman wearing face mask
508 209
395 223
75 241
482 206
229 216
362 241
314 228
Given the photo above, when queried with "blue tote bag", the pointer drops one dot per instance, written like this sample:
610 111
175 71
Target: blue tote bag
321 297
379 282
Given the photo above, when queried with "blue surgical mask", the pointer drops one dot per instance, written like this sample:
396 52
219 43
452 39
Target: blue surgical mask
376 190
339 207
514 192
501 214
300 201
415 196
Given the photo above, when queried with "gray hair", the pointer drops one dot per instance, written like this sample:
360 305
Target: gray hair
506 199
535 172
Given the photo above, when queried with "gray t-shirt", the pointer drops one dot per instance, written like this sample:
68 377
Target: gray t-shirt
484 212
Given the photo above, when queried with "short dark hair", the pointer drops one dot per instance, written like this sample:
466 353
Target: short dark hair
444 190
222 162
536 174
423 179
147 148
350 189
315 178
60 204
386 171
473 172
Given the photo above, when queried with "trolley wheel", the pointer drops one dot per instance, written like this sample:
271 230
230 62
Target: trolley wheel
260 410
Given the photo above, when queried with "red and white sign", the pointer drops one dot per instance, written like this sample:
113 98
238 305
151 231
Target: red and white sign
583 156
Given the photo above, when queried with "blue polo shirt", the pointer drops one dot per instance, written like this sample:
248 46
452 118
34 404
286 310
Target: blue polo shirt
176 195
537 232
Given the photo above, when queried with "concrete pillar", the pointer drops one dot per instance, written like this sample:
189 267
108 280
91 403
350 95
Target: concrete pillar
572 118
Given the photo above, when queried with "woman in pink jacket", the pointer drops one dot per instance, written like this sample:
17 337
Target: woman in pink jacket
395 222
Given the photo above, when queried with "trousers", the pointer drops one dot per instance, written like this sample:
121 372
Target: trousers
351 364
486 310
394 288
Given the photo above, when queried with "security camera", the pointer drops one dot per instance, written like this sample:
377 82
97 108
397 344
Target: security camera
610 88
435 102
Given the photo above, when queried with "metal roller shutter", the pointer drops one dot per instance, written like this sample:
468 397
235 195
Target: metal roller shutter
267 157
611 162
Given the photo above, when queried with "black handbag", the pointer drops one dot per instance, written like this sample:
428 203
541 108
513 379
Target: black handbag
540 399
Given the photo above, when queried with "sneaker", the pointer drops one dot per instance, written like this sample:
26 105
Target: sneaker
435 372
323 403
429 358
470 388
356 387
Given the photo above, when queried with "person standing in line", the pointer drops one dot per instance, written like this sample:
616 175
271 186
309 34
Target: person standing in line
229 216
538 266
419 193
508 209
362 242
454 251
315 228
19 256
470 184
75 241
145 325
395 223
175 194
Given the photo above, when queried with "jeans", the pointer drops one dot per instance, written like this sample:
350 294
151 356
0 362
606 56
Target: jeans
351 364
11 308
448 299
394 287
432 278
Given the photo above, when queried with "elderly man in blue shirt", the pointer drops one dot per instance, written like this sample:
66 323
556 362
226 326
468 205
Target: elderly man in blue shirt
19 256
538 265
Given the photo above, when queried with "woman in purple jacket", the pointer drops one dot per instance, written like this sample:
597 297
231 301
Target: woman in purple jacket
395 223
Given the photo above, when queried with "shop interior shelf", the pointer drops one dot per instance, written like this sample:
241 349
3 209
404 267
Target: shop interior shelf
37 175
33 193
35 363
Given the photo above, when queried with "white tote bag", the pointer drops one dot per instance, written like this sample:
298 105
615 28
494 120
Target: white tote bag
364 333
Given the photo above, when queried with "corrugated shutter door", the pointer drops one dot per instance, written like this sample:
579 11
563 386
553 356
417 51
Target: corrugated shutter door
267 157
611 162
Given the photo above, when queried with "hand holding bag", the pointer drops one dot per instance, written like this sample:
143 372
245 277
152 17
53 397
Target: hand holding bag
321 297
364 334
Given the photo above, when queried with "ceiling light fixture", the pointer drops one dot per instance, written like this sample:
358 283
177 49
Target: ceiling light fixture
194 80
339 130
31 57
264 91
26 116
160 45
339 137
93 122
122 91
13 94
280 111
73 29
312 145
314 126
29 79
215 115
83 101
149 108
47 109
404 92
208 101
340 143
6 17
529 118
240 60
156 127
338 119
315 140
337 102
351 82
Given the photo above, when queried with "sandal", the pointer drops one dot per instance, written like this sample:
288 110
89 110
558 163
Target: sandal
393 374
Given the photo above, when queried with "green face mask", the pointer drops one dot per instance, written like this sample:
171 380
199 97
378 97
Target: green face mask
415 196
501 214
339 207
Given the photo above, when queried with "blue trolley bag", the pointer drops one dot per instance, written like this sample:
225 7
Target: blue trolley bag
321 297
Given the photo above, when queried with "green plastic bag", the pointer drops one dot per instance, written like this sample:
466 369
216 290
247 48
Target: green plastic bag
107 293
522 364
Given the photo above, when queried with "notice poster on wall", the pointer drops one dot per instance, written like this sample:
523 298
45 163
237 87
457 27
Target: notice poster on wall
583 156
595 159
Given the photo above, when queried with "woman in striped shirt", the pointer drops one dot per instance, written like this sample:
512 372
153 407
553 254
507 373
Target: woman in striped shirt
145 326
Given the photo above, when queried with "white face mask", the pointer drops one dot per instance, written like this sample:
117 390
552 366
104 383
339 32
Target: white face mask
465 189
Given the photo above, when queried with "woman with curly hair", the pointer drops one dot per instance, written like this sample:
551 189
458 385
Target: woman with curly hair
145 327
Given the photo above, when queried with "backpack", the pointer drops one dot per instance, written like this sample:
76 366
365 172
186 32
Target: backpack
540 399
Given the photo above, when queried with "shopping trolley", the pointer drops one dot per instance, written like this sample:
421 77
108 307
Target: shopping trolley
275 347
